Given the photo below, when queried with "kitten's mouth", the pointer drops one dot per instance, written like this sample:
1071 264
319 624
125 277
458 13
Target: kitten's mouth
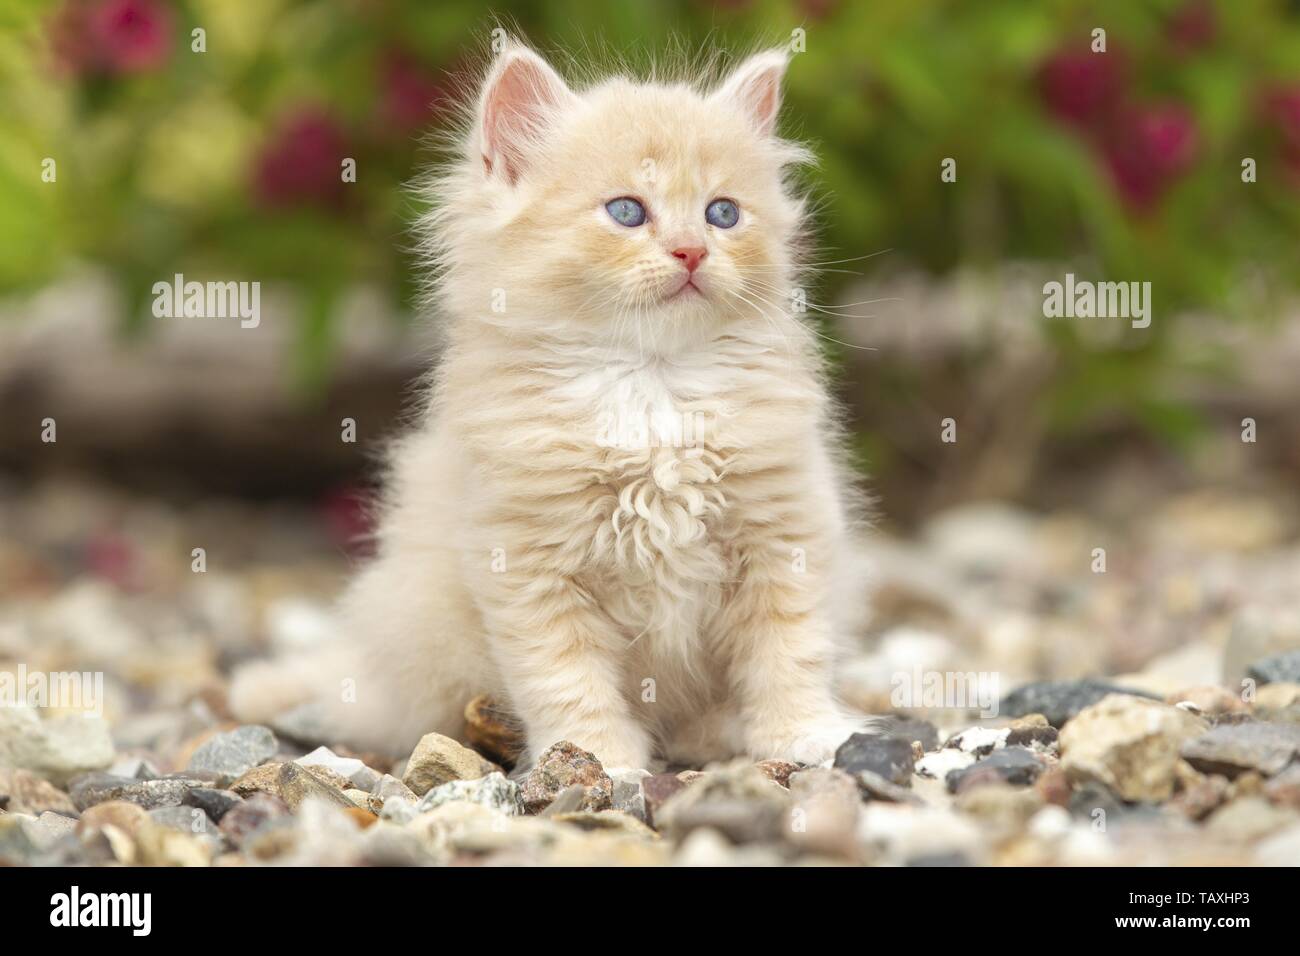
686 288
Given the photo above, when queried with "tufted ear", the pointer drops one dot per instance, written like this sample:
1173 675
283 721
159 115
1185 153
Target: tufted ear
754 88
521 97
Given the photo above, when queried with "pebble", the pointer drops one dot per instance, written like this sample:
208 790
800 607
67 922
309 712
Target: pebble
872 786
22 791
1281 668
242 821
979 741
778 771
607 821
656 790
1060 700
389 787
160 845
1284 789
824 816
296 784
1201 797
1130 744
57 824
1280 849
1209 701
940 763
1247 819
1033 731
495 791
908 835
628 795
1230 749
231 754
1005 809
55 748
889 757
561 766
190 820
263 779
22 840
913 729
437 760
1015 766
349 768
169 791
1277 698
736 800
127 817
215 803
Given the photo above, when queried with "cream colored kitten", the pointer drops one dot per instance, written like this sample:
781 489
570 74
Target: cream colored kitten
623 510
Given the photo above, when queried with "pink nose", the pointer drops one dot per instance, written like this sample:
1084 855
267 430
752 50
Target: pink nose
691 256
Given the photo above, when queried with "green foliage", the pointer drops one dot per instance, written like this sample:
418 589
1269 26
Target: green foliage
158 168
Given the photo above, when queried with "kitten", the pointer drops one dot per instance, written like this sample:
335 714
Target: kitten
623 511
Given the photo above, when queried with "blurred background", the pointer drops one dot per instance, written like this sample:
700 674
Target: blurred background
217 154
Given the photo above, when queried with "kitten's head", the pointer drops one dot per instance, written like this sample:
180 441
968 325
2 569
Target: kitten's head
636 213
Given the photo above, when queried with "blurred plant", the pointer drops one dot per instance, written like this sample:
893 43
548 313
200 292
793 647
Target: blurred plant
228 161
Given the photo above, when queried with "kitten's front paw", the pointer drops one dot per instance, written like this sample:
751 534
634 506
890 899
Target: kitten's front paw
808 744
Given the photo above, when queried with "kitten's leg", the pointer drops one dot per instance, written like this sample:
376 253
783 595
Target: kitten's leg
560 662
780 648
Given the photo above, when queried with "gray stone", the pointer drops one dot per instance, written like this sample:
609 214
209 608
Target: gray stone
21 839
215 803
166 791
1231 749
913 729
889 757
872 786
234 753
628 796
56 823
1059 700
1278 669
738 801
495 791
1013 765
191 820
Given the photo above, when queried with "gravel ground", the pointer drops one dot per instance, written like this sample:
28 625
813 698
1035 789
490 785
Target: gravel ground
1061 691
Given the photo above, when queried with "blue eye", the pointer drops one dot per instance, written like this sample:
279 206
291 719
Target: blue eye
722 213
626 211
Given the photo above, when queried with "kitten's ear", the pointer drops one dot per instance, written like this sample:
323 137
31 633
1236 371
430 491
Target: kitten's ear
521 97
754 88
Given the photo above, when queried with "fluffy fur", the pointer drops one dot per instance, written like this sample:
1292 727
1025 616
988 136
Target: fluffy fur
622 510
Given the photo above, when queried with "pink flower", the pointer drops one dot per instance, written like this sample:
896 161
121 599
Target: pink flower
301 162
1193 26
411 95
112 36
1146 149
1079 87
1281 107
